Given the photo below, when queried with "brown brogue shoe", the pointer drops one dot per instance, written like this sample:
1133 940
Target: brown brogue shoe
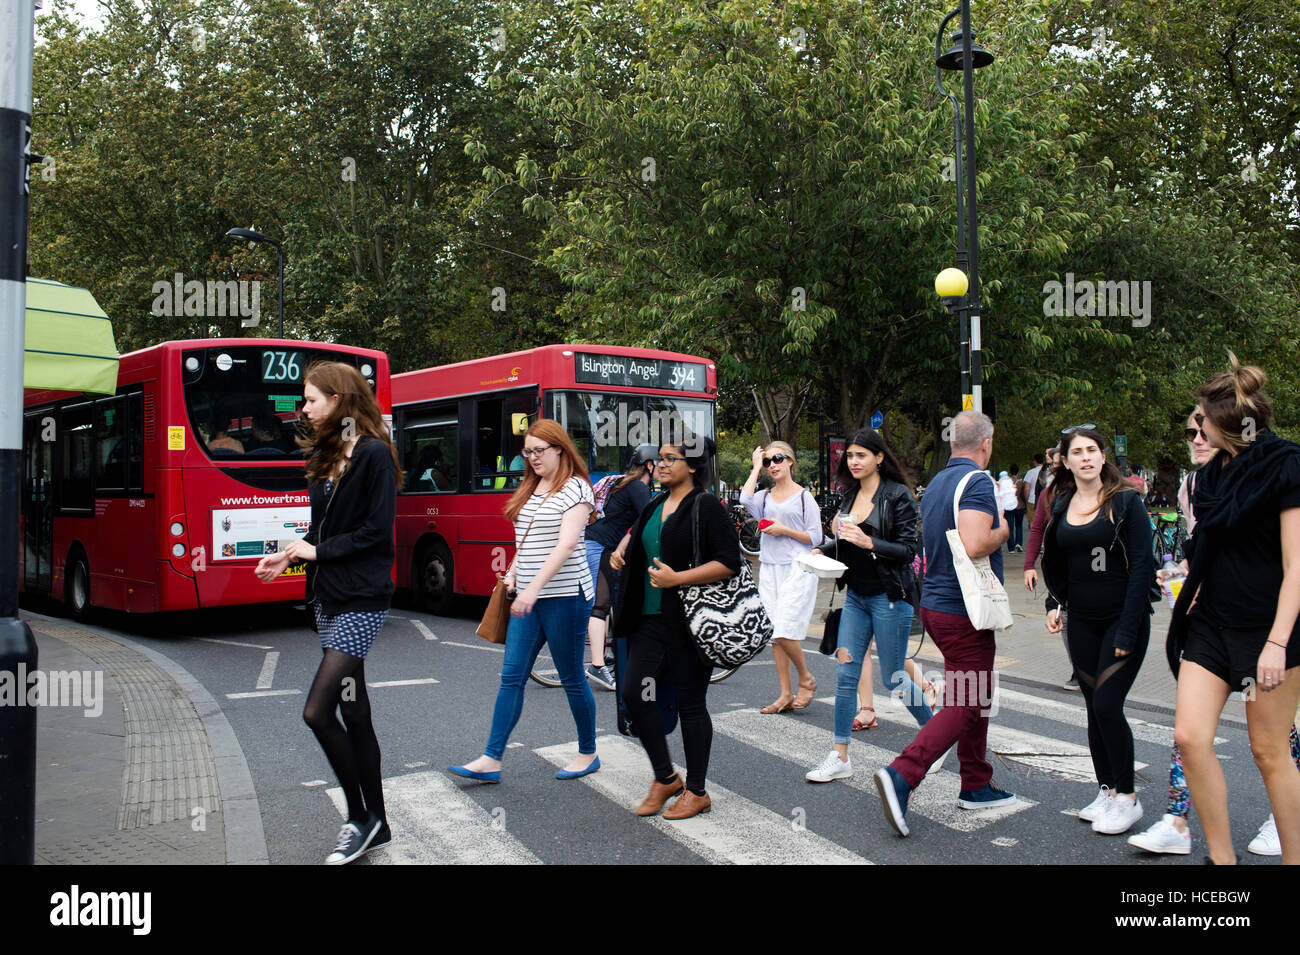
688 804
660 793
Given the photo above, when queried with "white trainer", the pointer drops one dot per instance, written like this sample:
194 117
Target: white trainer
1119 817
1266 841
832 767
1163 837
1094 810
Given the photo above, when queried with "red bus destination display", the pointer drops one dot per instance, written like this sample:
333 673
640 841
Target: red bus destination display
631 371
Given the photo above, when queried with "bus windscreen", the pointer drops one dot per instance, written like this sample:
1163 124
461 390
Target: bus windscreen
243 402
606 427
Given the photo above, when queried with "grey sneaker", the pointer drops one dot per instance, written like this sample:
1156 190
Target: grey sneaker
354 839
603 677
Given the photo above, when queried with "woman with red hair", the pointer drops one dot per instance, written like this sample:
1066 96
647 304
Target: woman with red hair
554 593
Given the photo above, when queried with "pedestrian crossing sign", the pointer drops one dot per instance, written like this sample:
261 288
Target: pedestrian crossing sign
967 402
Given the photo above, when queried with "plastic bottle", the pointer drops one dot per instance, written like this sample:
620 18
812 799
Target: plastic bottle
1172 582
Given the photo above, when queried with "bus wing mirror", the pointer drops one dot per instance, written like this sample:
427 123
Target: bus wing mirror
519 423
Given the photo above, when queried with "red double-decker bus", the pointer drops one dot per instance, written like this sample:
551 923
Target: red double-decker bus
460 432
165 495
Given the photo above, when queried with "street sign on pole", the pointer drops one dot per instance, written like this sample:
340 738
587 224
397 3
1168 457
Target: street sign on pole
1121 446
877 419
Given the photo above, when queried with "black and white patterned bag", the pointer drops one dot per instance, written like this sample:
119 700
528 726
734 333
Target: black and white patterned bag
726 618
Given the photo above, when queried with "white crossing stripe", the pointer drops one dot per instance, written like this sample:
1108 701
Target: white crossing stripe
267 676
1058 757
435 823
735 831
235 643
1078 716
806 746
490 647
255 694
428 634
420 682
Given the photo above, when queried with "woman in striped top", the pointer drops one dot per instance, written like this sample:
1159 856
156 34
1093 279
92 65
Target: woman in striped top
554 594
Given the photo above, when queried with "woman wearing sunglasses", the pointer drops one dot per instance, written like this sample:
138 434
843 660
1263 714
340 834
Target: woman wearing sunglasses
1171 833
789 520
877 536
1234 625
1097 562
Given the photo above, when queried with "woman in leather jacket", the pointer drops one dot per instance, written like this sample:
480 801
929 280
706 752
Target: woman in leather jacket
877 537
1098 564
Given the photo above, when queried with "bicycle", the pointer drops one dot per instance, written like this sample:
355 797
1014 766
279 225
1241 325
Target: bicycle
1168 534
746 530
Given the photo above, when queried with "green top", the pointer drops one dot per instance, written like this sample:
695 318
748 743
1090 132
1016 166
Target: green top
650 541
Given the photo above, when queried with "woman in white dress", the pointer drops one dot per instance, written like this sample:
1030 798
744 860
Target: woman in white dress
790 522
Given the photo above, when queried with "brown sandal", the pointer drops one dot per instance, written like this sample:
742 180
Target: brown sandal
799 696
777 708
872 724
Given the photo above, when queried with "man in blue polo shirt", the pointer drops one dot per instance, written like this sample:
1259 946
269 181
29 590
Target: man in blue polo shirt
967 652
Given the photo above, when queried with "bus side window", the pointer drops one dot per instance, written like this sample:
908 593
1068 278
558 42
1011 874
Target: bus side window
429 450
135 442
110 444
76 453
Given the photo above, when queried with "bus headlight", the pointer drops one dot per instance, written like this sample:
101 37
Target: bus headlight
178 550
177 528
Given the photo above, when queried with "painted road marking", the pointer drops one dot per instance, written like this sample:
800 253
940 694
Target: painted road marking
1078 716
267 676
424 681
234 643
491 648
435 823
806 746
257 694
428 634
734 831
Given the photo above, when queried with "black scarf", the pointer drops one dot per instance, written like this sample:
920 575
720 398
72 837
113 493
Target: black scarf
1229 493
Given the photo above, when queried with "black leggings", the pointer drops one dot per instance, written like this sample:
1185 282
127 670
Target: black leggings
1105 681
351 746
653 648
606 589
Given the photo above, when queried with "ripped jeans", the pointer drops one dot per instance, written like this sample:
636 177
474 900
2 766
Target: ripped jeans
888 621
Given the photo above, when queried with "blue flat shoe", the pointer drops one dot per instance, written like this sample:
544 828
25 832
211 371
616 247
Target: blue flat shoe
565 774
492 777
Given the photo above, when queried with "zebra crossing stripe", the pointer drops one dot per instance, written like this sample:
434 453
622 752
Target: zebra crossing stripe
1031 705
435 823
735 831
805 746
1055 756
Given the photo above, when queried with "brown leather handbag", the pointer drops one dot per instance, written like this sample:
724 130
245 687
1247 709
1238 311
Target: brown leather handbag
496 618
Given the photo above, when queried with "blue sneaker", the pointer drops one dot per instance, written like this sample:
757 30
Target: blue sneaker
990 797
893 797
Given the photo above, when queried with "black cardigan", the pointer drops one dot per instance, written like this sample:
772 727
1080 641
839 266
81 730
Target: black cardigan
352 532
718 541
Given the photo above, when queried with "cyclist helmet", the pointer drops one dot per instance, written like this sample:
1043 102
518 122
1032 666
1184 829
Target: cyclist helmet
644 453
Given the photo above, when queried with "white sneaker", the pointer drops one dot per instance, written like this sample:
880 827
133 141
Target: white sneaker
1266 841
832 767
1119 816
1163 837
1095 809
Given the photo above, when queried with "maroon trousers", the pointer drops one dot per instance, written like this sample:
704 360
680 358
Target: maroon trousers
968 693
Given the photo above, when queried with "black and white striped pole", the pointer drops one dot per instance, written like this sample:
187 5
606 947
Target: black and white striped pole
17 646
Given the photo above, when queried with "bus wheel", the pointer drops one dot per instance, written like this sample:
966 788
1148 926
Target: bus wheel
78 586
434 580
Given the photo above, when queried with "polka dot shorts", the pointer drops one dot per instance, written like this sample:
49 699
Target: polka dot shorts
350 633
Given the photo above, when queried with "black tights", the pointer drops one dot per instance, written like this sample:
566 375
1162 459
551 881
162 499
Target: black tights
351 746
1105 681
656 649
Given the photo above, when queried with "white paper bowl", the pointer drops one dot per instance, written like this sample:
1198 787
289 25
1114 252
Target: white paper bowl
822 566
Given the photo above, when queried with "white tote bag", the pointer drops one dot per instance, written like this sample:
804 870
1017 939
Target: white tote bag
986 599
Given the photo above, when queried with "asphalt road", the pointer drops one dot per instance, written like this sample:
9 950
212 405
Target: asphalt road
436 708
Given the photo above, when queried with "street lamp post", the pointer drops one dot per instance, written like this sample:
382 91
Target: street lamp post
252 236
967 57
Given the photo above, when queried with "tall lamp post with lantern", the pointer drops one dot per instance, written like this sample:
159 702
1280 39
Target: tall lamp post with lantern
964 55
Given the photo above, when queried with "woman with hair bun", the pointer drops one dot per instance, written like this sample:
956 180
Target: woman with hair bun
788 518
1234 625
353 477
554 594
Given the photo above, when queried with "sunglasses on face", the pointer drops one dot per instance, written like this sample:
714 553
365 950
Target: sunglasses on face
775 459
1193 433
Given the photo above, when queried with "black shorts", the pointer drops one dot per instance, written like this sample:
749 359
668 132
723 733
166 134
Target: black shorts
1229 653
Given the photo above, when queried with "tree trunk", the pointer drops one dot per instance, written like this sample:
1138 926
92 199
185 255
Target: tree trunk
778 412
